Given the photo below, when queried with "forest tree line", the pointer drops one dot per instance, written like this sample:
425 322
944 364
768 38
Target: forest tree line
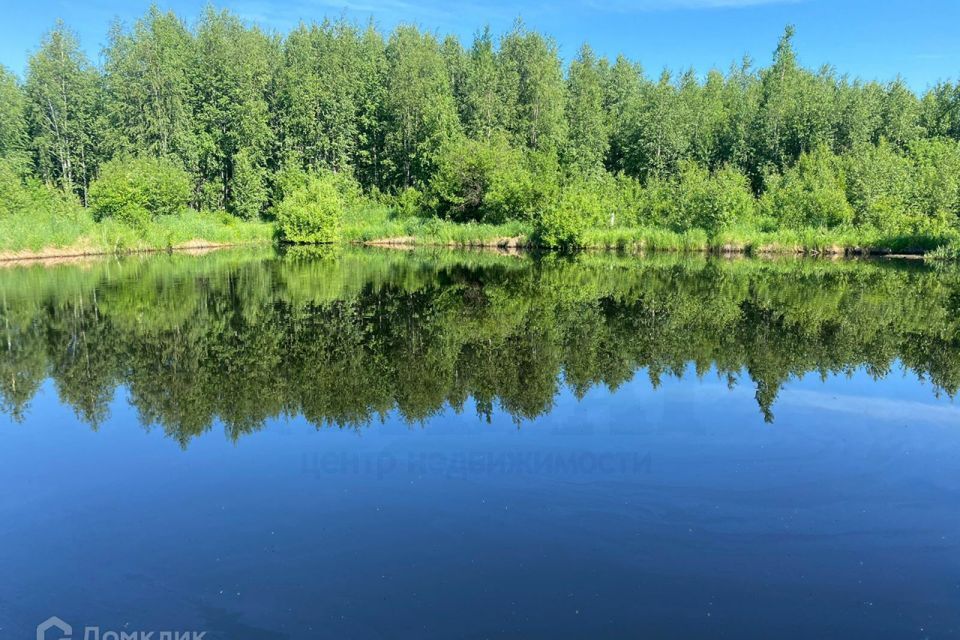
225 116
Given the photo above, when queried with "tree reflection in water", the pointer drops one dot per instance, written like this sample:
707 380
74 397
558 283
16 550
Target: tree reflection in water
342 338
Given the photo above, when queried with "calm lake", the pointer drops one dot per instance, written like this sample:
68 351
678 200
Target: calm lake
379 444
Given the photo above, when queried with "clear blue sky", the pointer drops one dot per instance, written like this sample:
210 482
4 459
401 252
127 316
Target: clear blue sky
872 39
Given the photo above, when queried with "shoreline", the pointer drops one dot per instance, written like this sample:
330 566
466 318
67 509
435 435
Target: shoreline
510 245
58 255
520 244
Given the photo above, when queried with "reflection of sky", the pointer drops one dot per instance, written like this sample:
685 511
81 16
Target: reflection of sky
863 37
841 515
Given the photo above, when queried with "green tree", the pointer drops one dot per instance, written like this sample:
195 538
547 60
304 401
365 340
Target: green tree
420 113
810 194
622 86
711 202
231 73
148 91
795 112
533 89
13 121
935 181
741 101
63 100
660 131
457 64
369 155
483 100
940 112
487 181
587 136
878 186
708 112
316 96
859 118
901 114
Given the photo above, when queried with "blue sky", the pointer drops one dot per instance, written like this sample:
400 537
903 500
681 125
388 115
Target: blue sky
872 39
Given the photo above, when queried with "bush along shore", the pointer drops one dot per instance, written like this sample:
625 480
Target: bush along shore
337 132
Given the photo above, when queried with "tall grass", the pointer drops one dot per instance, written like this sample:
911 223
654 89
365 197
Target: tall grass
73 229
645 239
379 223
817 240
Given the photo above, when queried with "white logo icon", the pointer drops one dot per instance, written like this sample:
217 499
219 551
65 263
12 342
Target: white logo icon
54 623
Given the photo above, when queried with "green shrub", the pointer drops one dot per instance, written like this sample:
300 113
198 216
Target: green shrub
248 188
33 214
134 190
460 183
878 187
291 178
947 252
311 213
13 192
408 203
563 225
811 194
711 202
488 182
627 199
657 203
935 181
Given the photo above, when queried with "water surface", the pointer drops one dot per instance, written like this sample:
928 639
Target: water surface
379 444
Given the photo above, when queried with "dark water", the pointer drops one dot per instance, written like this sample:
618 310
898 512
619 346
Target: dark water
382 444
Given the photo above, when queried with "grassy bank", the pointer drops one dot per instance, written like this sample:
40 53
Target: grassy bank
752 241
73 231
44 224
379 226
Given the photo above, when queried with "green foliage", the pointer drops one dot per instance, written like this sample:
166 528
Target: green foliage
62 105
563 224
148 91
794 112
940 111
23 196
587 139
11 187
946 253
292 178
13 122
487 182
694 199
248 188
481 133
711 202
484 89
935 181
134 190
878 187
533 89
409 202
810 194
658 137
420 114
462 179
311 212
230 72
